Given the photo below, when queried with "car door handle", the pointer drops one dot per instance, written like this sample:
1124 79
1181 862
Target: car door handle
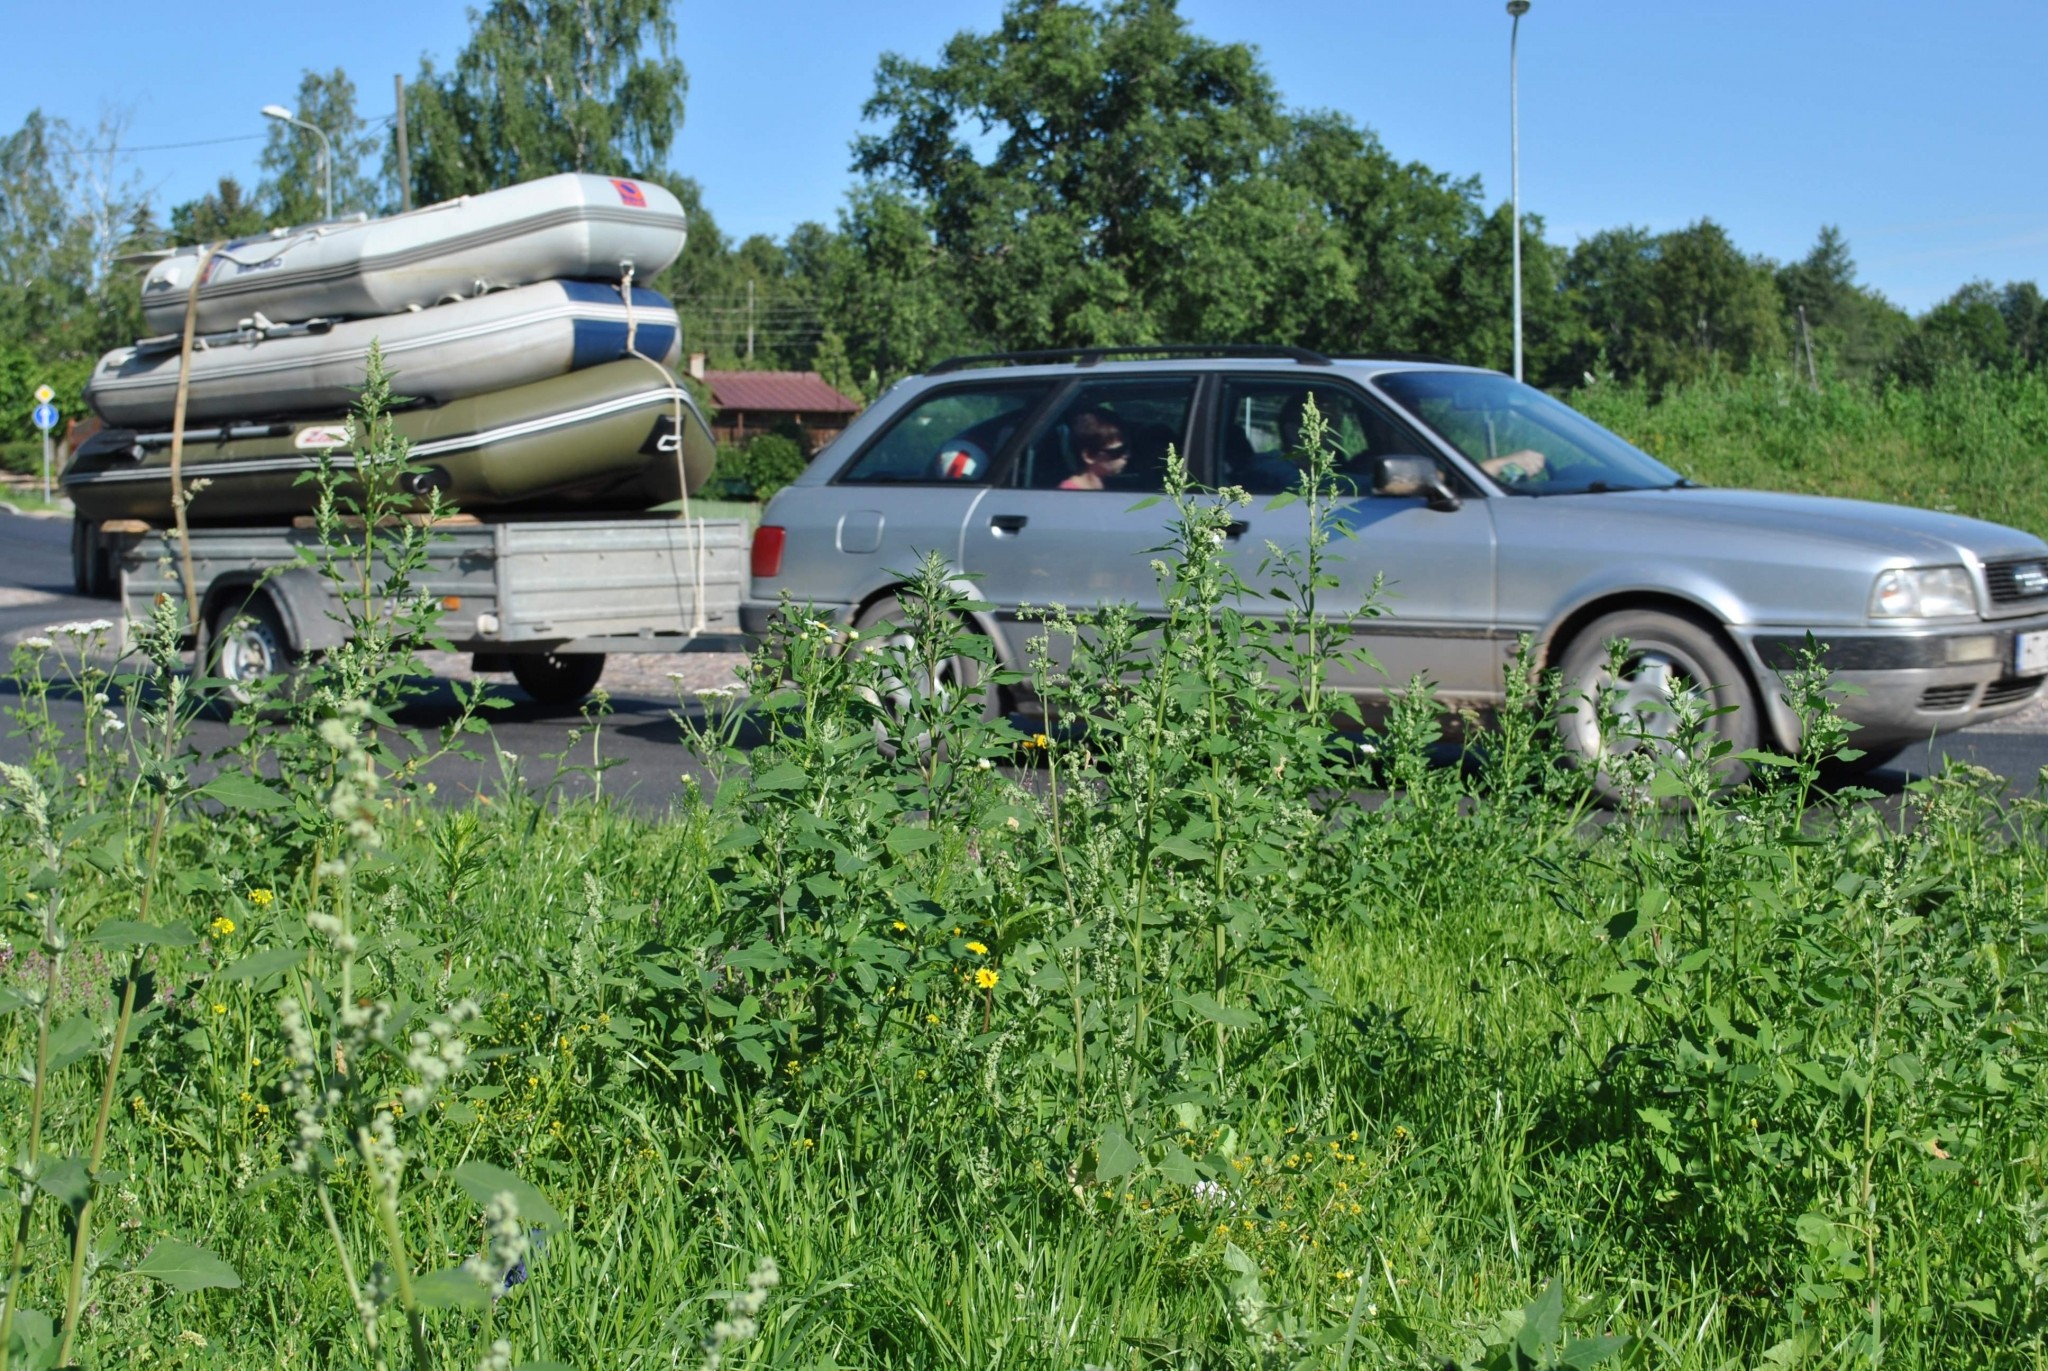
1236 529
1008 523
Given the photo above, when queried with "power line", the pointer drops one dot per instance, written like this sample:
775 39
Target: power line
166 147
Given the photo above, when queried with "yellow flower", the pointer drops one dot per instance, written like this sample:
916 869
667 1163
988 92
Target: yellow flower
978 949
901 927
222 926
931 1018
219 1008
1039 740
261 897
986 978
1342 1276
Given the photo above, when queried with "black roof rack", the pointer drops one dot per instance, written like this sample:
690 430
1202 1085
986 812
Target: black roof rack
1088 357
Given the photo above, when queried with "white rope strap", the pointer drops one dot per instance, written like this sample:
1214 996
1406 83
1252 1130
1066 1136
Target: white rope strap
697 622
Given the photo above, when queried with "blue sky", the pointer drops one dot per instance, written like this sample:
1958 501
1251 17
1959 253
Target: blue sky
1918 128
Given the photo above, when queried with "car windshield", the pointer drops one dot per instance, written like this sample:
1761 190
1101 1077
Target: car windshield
1526 441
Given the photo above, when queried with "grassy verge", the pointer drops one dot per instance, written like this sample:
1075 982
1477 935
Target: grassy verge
1155 1048
1973 442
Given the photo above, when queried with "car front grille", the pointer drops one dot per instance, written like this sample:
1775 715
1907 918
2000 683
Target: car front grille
2010 690
2023 580
1946 697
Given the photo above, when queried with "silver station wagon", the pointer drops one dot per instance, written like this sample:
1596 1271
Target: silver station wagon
1489 510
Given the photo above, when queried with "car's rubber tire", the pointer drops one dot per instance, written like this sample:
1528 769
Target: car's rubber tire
1666 652
245 642
558 678
954 672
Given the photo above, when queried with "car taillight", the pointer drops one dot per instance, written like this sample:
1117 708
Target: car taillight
767 558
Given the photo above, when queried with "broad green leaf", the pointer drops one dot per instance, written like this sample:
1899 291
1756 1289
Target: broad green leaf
904 840
482 1181
1229 1015
1178 1167
787 776
71 1040
1542 1321
67 1182
185 1267
1186 848
239 790
268 962
1581 1353
1114 1155
133 933
451 1288
32 1341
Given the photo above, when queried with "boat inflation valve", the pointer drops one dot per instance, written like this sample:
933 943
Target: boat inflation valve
427 480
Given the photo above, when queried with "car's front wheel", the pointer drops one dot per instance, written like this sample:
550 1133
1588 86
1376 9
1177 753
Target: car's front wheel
1610 714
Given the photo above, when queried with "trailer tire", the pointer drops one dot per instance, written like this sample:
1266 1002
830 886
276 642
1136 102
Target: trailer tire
246 642
90 572
558 678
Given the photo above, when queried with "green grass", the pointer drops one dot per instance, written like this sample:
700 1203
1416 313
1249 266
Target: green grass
1973 442
1139 1046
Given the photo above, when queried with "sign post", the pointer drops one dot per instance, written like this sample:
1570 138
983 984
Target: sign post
45 415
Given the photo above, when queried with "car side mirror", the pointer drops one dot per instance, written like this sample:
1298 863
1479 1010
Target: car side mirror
1410 476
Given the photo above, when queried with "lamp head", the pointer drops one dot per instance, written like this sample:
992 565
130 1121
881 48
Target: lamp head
280 112
1518 8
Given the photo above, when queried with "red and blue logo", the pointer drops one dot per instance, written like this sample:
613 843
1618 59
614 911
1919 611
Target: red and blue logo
630 194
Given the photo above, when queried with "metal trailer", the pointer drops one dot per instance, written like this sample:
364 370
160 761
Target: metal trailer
544 600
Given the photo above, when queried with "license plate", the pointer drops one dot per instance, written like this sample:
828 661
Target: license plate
2030 654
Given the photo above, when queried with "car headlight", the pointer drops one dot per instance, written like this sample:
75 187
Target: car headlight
1932 592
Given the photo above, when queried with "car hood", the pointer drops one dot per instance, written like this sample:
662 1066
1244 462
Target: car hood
1923 536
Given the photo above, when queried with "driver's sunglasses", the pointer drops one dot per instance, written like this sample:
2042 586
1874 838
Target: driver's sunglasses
1110 450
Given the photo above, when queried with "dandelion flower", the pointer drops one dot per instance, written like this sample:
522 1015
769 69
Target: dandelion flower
900 926
261 897
931 1018
221 926
219 1008
978 949
987 977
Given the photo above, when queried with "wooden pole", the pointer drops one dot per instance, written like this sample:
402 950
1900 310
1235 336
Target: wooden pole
404 157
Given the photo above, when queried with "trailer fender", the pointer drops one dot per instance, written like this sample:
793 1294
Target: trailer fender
298 593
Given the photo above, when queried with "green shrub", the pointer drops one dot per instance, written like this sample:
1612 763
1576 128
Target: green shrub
773 461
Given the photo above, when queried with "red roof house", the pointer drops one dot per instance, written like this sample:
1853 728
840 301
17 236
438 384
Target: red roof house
755 402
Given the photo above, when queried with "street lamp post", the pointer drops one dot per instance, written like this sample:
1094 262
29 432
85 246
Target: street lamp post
1516 9
285 116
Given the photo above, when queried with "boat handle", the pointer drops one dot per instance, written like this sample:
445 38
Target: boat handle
1008 523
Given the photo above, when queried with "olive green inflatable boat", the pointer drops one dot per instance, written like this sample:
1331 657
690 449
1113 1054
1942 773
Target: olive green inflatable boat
603 439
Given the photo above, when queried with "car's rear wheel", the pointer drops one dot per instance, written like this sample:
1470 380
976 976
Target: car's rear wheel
1610 714
885 627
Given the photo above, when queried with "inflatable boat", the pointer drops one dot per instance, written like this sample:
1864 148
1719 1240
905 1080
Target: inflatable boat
600 439
493 342
572 225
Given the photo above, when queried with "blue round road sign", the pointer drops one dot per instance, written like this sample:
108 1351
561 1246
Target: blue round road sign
45 417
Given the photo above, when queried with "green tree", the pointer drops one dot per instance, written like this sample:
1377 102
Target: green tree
1854 329
224 212
292 186
546 86
1671 307
1981 326
70 206
1112 132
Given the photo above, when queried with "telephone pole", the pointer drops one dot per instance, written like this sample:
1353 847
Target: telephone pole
1516 9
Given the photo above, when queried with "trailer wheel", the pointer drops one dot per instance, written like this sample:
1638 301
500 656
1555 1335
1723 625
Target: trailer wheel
558 678
247 642
89 569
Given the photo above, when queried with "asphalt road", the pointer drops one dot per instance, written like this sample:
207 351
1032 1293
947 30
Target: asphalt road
640 739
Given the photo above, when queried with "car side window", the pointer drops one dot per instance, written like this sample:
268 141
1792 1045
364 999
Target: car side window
1109 436
951 436
1260 446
